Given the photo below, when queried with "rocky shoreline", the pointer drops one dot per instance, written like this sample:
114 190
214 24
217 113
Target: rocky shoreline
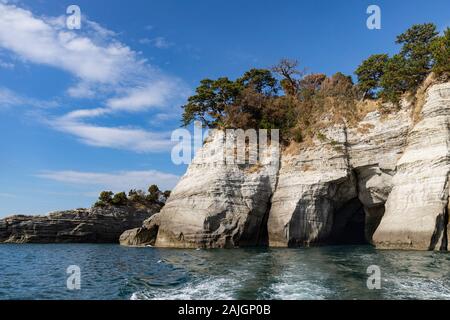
95 225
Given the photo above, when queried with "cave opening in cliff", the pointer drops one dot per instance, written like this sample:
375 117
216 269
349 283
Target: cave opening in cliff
349 224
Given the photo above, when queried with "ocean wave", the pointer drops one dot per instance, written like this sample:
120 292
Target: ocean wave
421 289
208 289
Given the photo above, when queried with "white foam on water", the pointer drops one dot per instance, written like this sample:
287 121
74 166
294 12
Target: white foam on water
208 289
290 288
422 289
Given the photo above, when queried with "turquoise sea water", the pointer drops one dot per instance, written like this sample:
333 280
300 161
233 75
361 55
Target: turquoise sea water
114 272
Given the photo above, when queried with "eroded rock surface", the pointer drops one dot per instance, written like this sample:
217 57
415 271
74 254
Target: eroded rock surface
312 185
97 225
416 214
215 204
384 182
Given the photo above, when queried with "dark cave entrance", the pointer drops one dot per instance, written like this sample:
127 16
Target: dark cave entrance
349 224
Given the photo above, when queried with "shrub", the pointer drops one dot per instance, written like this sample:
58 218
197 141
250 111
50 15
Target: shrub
100 204
311 84
119 199
106 196
166 195
154 194
337 85
297 135
136 195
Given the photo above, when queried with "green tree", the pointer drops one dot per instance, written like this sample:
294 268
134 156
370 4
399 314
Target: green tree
257 88
106 196
120 199
100 204
441 53
136 195
210 101
394 79
417 53
260 80
153 193
369 74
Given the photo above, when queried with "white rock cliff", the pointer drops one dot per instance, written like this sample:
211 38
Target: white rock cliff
384 182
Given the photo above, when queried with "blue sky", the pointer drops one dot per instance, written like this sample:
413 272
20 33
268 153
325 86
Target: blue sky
92 109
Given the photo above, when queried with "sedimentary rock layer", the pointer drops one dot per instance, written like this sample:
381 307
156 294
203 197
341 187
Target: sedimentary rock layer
416 214
384 181
215 204
97 225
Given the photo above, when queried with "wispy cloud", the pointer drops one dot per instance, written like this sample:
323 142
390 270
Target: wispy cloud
47 41
103 69
116 181
93 55
158 42
81 90
9 98
156 94
125 138
6 65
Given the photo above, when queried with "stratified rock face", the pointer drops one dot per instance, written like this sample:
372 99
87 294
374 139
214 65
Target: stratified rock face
215 204
97 225
384 182
416 214
312 185
335 191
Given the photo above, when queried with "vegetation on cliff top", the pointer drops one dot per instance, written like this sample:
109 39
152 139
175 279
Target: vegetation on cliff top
134 198
297 103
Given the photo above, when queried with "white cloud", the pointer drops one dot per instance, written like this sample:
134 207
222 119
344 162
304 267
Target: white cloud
158 42
152 95
6 65
47 41
159 119
83 113
133 139
82 90
93 54
145 41
9 98
117 181
104 69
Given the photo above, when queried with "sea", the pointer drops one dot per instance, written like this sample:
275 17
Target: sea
112 272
